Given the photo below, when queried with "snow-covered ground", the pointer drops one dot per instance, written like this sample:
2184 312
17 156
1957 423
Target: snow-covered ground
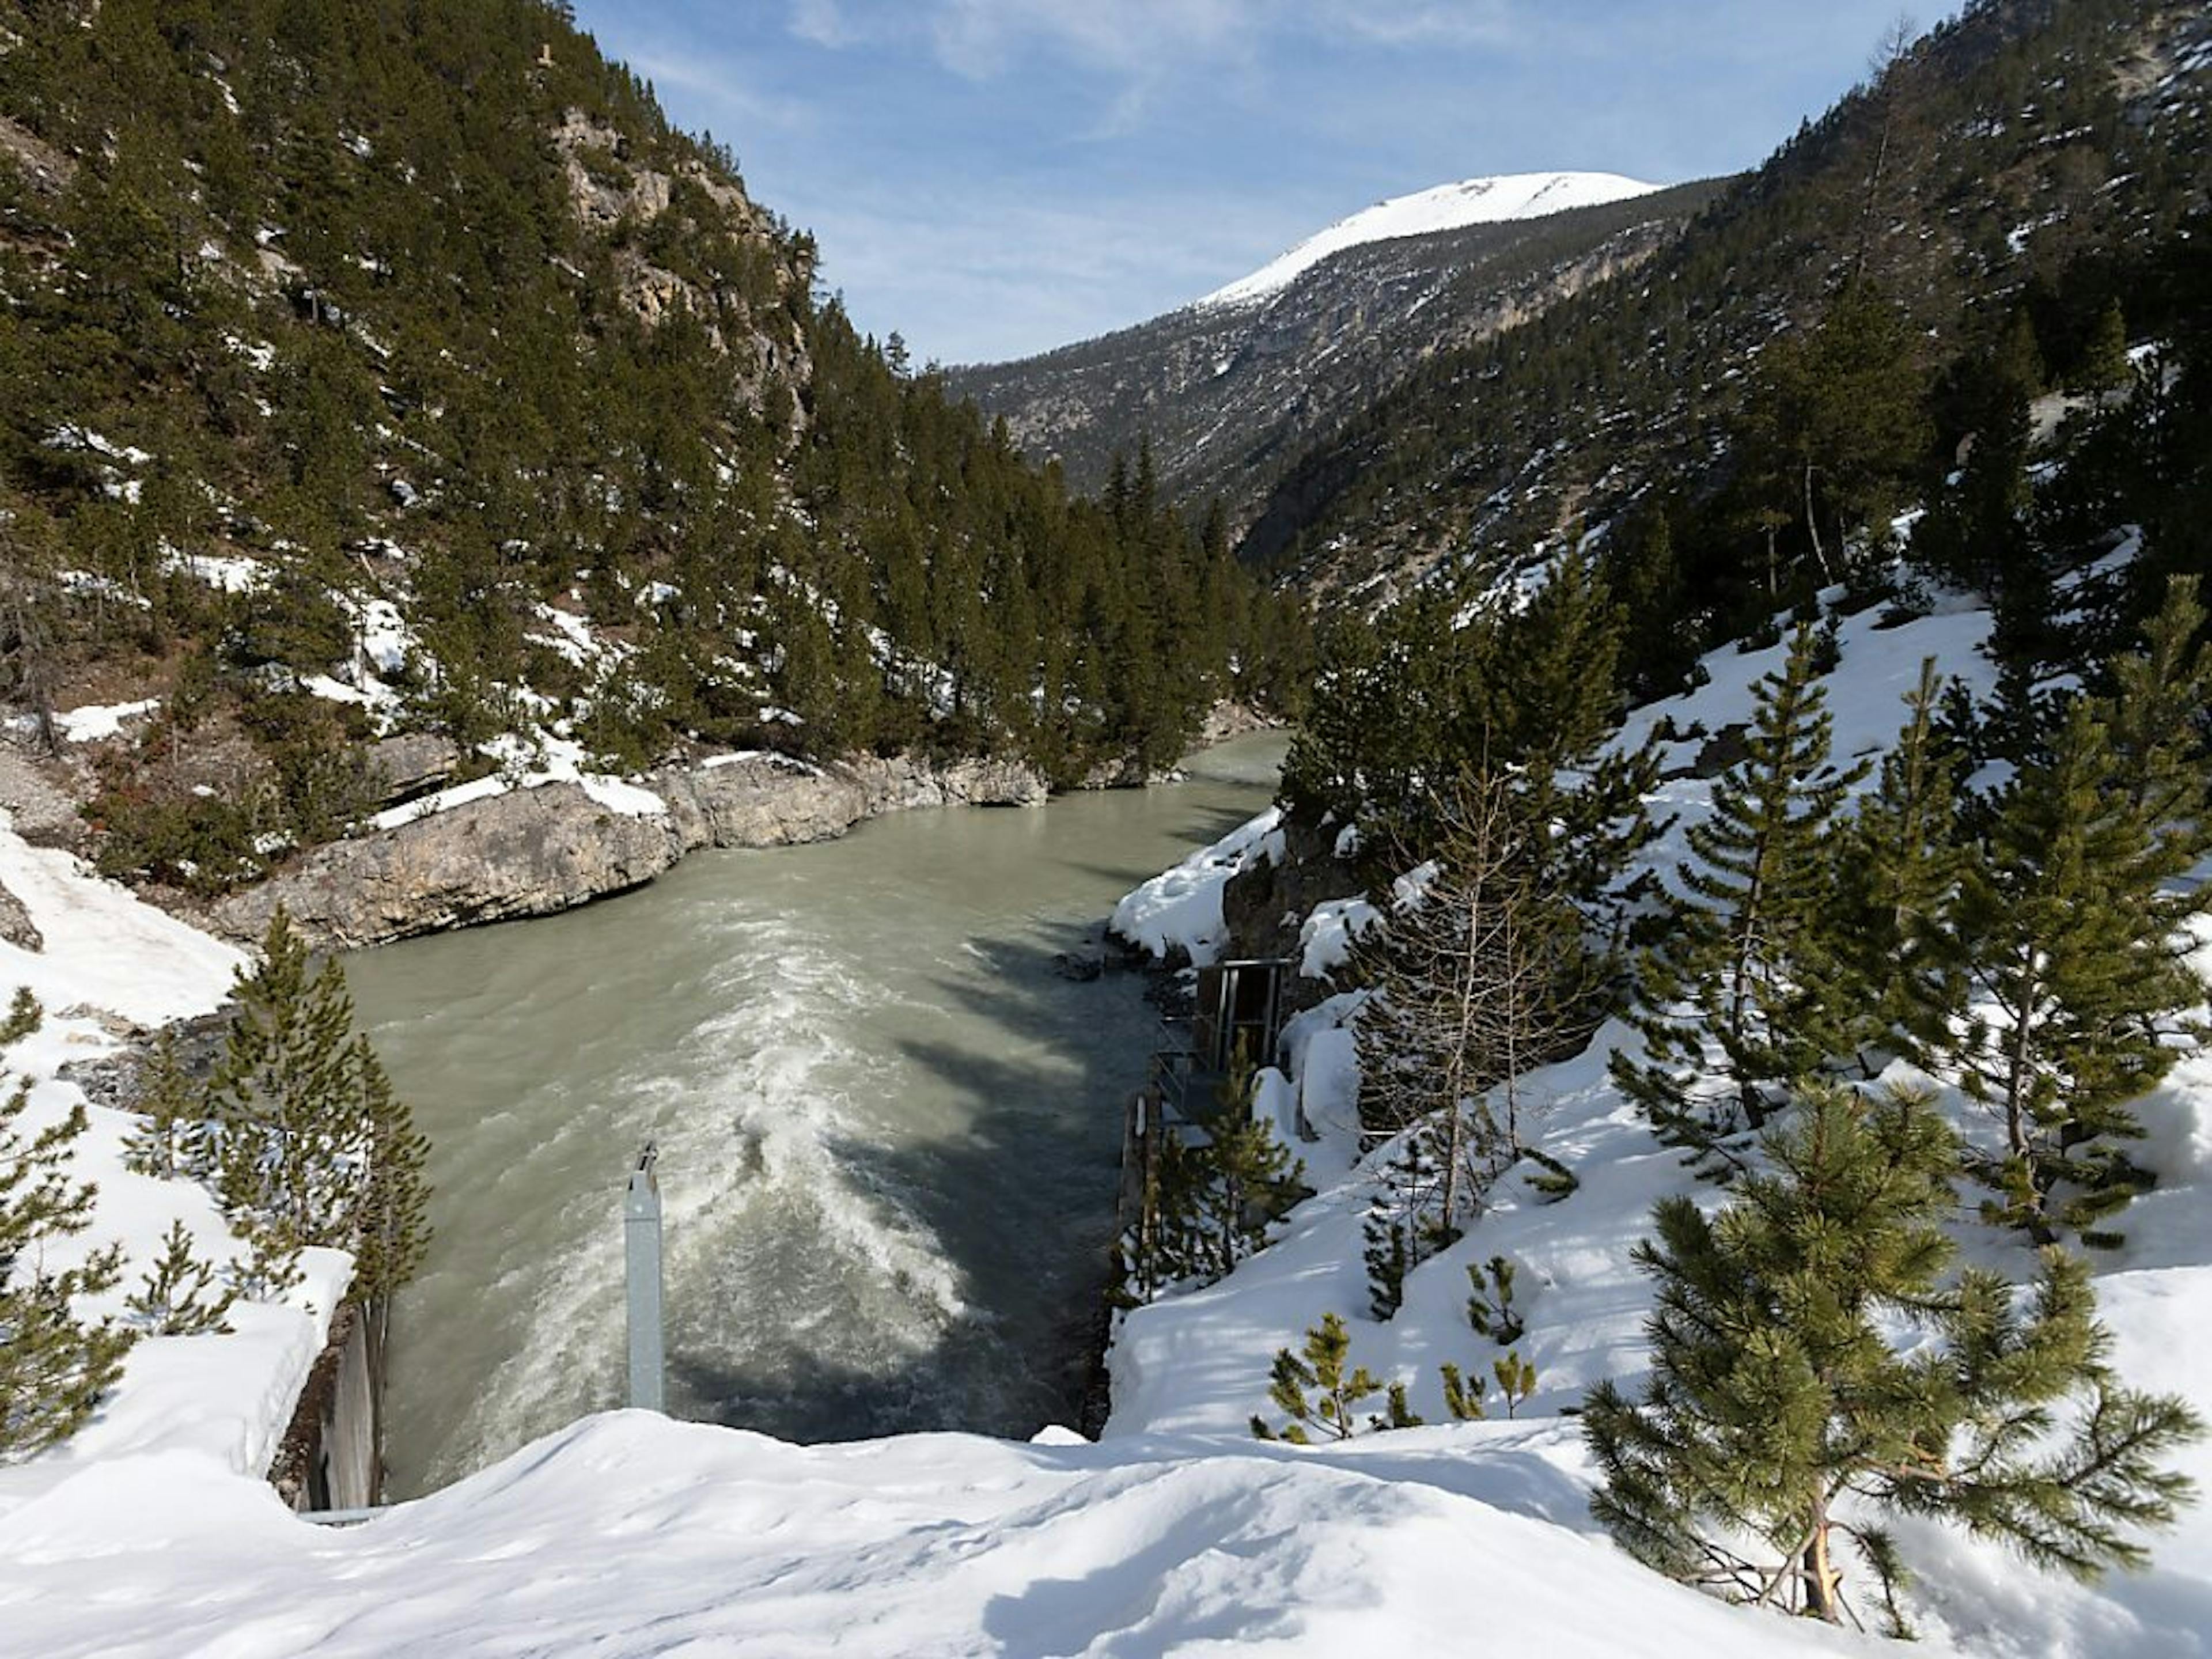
1446 207
223 1399
627 1535
1194 1367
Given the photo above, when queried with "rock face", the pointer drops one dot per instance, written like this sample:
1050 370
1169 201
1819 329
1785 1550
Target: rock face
410 765
1266 903
532 852
16 926
767 800
39 808
527 853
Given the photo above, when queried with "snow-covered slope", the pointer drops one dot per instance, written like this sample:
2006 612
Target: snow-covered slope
1196 1366
631 1535
1446 207
110 961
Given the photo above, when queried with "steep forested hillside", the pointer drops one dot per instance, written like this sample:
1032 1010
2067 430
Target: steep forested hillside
1229 393
2034 156
399 367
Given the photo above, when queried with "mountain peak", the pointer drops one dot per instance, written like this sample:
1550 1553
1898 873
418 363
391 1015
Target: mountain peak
1446 207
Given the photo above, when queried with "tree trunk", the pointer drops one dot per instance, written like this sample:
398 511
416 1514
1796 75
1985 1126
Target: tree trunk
1813 530
1823 1594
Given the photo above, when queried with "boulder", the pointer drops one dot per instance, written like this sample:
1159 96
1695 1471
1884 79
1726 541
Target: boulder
16 926
771 800
404 767
37 797
526 852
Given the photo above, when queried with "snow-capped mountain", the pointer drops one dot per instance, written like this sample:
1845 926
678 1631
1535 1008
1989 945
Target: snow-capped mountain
1230 387
1446 207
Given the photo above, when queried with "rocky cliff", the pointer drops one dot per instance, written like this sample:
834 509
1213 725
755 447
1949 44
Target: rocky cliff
531 852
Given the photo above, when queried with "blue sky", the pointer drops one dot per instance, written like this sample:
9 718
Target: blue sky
992 178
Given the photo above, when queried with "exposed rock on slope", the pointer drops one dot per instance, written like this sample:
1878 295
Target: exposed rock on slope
535 851
1228 389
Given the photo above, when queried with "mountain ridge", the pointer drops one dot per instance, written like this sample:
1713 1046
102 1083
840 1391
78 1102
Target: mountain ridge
1491 198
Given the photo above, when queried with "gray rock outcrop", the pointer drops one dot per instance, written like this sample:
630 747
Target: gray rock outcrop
527 853
412 764
16 926
532 852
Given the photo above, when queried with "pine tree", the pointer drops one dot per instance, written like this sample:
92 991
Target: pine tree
286 1100
173 1138
1896 866
314 1149
180 1296
391 1231
1251 1177
2158 719
1736 985
1319 1368
1813 1363
2104 366
54 1365
2066 926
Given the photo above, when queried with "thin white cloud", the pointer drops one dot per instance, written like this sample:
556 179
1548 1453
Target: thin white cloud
982 40
714 83
822 22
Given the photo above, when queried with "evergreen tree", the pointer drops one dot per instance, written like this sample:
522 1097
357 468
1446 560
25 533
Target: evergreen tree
392 1231
314 1149
2158 719
1896 866
1839 419
1251 1177
286 1097
2064 923
1736 986
172 1138
180 1296
2104 366
1210 1198
54 1364
1815 1367
1335 1392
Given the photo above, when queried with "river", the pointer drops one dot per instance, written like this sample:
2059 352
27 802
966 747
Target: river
889 1128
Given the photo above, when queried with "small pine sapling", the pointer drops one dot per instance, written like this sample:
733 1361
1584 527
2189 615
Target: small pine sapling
1490 1309
180 1296
1551 1180
1463 1393
1397 1413
1517 1380
1334 1393
170 1141
1816 1366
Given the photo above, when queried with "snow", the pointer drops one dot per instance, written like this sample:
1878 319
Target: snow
1180 911
1327 935
443 801
225 574
224 1399
1194 1369
630 1535
1446 207
95 721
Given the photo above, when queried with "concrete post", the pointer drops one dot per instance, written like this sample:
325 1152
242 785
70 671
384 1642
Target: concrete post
641 1252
